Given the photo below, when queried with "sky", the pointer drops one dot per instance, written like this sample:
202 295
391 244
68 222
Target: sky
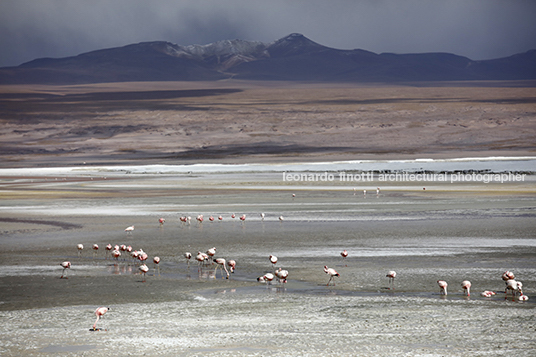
478 29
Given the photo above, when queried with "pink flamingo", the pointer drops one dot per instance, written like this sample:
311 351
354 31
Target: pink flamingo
200 218
211 252
129 230
262 216
281 218
344 254
109 248
144 269
156 261
514 286
188 256
282 275
466 286
232 265
508 275
116 254
80 248
200 257
220 218
391 275
243 217
233 216
134 254
332 273
161 220
211 218
142 257
99 313
443 286
95 250
268 277
487 293
65 265
221 265
273 260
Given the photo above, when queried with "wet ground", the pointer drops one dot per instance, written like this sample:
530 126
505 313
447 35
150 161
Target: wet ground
450 232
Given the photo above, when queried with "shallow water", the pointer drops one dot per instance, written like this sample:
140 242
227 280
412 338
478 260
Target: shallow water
469 233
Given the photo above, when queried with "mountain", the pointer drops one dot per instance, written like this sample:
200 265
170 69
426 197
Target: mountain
293 57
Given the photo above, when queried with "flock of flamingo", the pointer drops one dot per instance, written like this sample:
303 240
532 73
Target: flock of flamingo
206 259
516 287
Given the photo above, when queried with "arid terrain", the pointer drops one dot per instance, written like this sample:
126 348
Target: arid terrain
235 121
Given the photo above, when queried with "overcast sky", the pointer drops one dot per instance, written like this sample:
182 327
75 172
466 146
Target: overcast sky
478 29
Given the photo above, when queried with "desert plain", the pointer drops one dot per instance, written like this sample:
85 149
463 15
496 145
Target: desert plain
234 121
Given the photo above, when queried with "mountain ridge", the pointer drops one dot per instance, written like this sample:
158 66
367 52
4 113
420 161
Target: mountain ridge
293 57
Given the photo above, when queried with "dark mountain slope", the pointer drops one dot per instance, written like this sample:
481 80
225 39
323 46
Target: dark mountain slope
293 57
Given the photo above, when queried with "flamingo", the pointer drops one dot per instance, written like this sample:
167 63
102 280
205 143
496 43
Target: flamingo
293 195
134 254
65 265
99 313
144 269
200 218
211 252
221 265
211 218
200 257
220 218
109 248
281 275
232 265
243 217
156 261
344 254
487 293
281 218
95 250
514 286
508 275
233 215
262 216
332 273
443 286
268 277
129 229
466 286
188 256
391 275
273 260
161 220
116 254
80 248
377 190
142 257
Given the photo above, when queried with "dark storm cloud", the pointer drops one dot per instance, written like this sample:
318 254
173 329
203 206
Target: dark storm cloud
478 29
